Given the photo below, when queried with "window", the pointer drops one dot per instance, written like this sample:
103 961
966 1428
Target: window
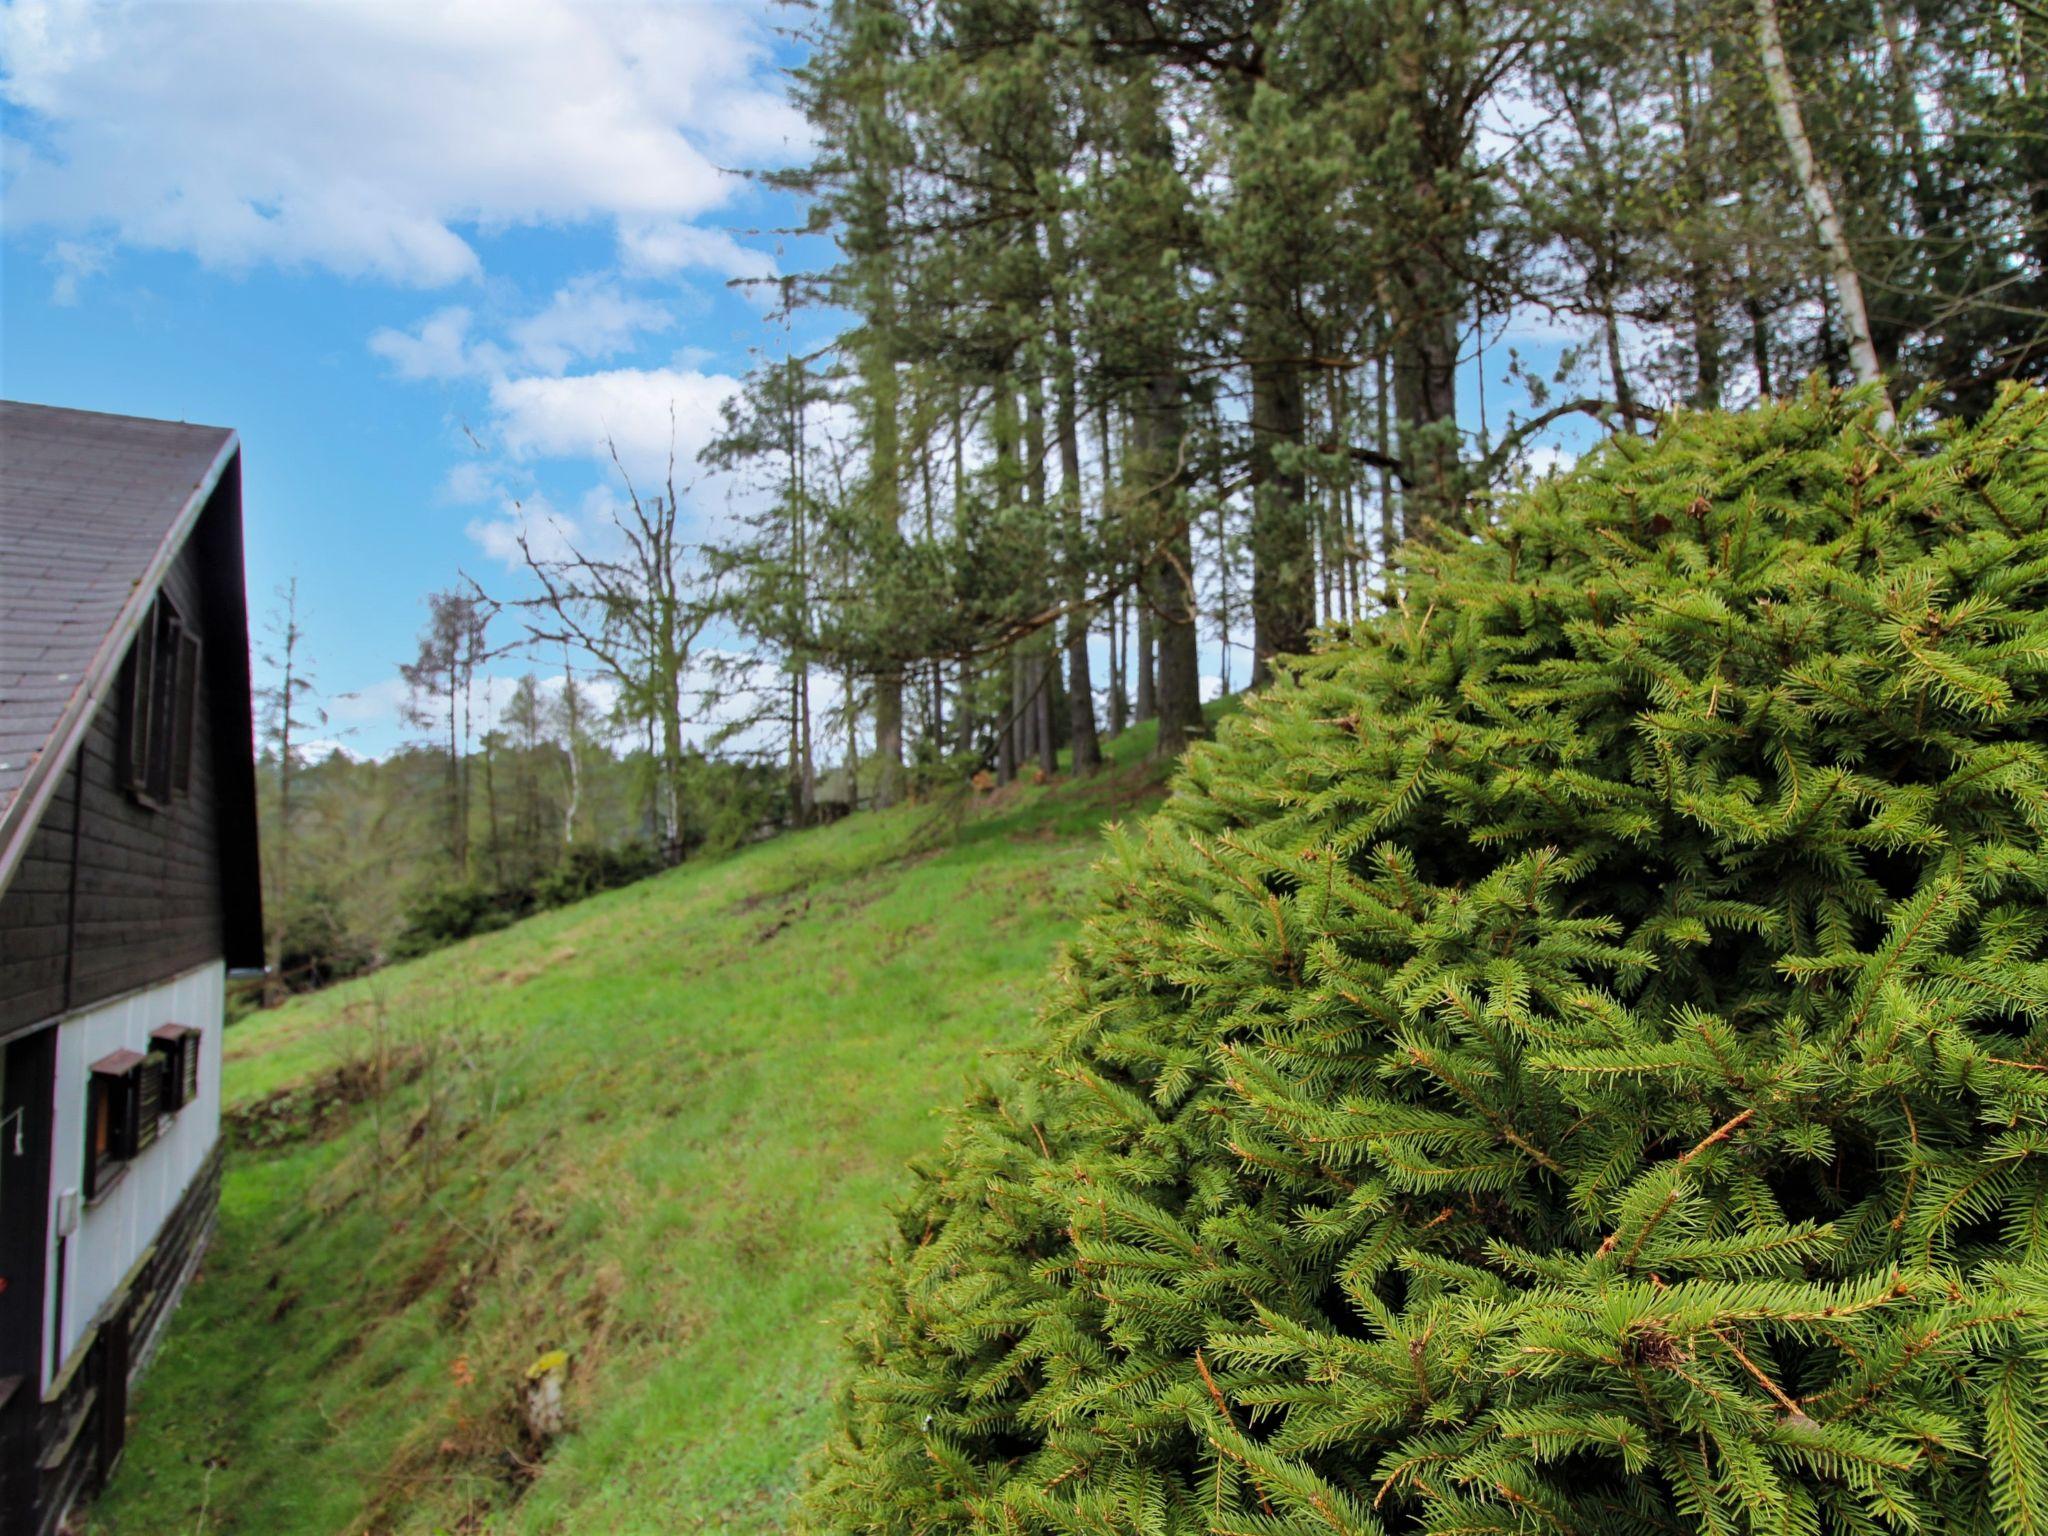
159 707
178 1045
124 1100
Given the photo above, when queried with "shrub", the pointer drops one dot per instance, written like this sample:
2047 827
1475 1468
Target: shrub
443 914
1572 1060
446 913
315 945
586 870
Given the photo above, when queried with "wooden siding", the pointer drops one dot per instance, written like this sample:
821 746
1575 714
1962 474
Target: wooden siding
75 1433
144 898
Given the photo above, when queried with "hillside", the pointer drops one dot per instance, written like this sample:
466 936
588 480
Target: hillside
657 1130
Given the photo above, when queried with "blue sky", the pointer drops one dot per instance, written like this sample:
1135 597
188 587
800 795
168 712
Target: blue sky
425 255
424 258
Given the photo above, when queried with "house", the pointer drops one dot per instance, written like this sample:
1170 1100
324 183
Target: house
128 896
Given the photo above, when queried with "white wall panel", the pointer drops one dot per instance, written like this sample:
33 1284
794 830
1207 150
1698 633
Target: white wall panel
116 1230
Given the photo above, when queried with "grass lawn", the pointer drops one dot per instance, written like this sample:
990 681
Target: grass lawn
658 1130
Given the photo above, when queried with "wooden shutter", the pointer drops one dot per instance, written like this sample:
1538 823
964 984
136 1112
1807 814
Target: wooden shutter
138 687
113 1127
149 1103
185 718
178 1044
163 697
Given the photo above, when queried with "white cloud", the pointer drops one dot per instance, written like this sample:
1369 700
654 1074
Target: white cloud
439 349
590 318
373 136
381 703
547 532
669 246
470 483
643 411
75 260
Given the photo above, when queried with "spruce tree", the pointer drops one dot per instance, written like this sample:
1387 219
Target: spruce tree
1571 1058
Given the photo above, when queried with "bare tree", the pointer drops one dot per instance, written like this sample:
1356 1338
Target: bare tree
441 681
639 613
286 708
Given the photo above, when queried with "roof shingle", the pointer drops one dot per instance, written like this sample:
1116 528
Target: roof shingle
87 504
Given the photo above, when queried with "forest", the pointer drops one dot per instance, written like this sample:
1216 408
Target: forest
1165 326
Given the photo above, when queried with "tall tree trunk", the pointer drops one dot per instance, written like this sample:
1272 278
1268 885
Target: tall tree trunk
878 370
888 739
1425 388
1283 536
1087 748
497 854
1820 202
1759 344
1042 712
1706 337
1119 606
1006 738
1177 684
1617 368
1383 440
1146 702
965 721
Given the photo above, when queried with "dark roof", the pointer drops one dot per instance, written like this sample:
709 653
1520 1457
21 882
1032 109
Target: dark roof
93 509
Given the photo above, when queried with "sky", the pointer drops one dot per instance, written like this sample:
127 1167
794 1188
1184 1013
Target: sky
427 257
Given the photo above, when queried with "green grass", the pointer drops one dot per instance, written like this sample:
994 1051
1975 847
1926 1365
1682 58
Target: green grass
659 1130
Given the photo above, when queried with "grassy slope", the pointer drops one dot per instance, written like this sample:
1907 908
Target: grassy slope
658 1130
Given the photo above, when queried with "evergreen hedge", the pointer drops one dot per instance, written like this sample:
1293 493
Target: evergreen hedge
1574 1060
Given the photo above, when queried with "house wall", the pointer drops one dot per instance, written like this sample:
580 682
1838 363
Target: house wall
116 1230
144 900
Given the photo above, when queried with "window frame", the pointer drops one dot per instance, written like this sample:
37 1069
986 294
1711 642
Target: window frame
112 1094
159 707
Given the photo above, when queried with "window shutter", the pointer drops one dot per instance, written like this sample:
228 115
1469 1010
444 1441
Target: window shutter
186 719
113 1121
149 1103
135 696
178 1045
162 669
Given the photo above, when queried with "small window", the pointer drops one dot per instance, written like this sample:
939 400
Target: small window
159 707
178 1045
124 1103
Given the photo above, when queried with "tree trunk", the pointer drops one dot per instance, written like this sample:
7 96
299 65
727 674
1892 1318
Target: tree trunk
1425 387
878 369
1170 591
1706 338
1283 538
1820 202
1146 704
1087 748
888 739
1046 671
1383 440
1617 369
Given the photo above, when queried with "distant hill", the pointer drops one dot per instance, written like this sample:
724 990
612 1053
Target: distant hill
656 1130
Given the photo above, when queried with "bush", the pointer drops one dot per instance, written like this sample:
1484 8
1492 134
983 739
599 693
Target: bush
444 914
315 945
585 870
1573 1060
447 913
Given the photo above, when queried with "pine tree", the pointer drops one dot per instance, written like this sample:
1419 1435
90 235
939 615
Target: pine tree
1571 1058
